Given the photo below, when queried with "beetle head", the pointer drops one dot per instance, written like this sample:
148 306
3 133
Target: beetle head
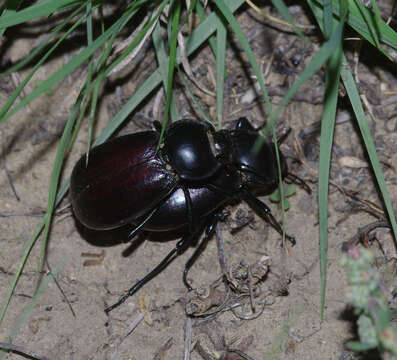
259 168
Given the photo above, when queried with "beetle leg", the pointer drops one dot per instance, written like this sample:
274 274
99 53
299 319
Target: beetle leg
265 210
192 219
150 214
177 250
209 231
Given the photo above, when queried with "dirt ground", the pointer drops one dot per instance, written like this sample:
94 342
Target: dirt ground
95 268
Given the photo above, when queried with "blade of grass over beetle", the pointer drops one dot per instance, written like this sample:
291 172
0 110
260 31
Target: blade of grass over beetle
175 12
197 37
221 35
162 63
251 58
194 99
327 134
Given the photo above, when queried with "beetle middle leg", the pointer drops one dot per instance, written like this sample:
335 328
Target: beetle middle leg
209 231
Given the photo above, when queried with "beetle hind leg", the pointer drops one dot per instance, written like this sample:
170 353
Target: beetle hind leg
177 250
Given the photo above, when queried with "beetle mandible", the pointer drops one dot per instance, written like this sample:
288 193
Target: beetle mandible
186 183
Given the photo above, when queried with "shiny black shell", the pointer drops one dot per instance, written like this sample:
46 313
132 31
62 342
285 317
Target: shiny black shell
123 180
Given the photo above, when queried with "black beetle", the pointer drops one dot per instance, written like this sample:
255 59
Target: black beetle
184 182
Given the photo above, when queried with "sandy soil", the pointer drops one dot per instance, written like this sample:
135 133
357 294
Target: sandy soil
95 268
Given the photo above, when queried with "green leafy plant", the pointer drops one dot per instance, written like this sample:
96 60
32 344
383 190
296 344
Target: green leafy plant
370 301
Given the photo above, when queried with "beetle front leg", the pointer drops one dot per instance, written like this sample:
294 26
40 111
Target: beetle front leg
265 210
192 219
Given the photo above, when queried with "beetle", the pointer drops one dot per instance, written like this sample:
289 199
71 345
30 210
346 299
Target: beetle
183 182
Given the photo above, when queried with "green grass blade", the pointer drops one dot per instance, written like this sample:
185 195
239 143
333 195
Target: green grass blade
327 18
357 21
196 39
317 61
36 297
221 35
43 8
194 99
38 49
11 7
173 40
283 10
67 68
10 101
162 63
354 98
55 175
370 21
326 140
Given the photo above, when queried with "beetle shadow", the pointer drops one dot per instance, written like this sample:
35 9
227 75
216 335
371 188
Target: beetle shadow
168 236
118 236
103 238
